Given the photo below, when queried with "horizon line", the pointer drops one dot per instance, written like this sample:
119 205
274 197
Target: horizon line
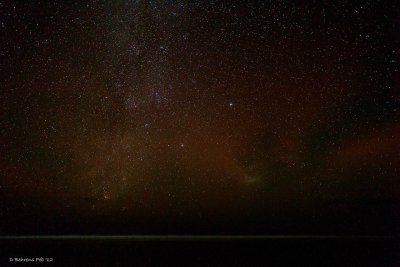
192 237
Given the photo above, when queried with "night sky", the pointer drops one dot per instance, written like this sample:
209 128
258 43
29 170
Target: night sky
199 117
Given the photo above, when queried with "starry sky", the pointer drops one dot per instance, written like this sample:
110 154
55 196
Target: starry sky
199 116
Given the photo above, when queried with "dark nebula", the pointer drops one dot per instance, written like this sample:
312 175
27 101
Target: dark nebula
252 117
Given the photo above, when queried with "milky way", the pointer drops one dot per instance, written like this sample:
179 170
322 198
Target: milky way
266 114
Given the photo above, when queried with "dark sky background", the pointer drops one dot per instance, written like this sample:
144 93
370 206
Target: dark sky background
128 117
